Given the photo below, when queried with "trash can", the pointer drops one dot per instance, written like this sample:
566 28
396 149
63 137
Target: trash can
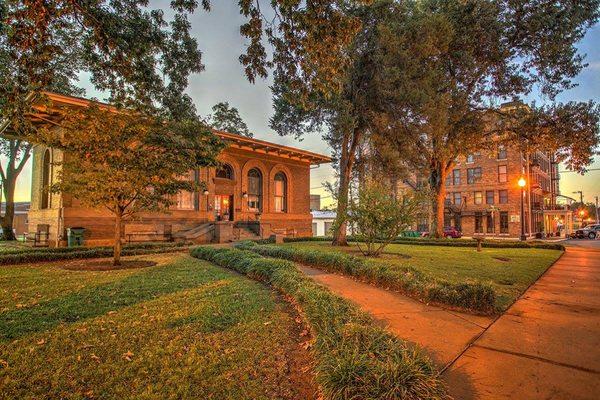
75 236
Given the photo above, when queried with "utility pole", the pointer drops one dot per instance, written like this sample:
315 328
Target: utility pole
580 196
597 220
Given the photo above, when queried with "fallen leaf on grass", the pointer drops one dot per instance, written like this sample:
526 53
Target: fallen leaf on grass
267 323
128 355
304 332
95 358
41 341
306 345
3 363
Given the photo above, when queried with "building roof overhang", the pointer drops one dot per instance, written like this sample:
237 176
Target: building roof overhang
46 110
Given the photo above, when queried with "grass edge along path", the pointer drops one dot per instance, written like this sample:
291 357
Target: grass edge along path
477 297
356 359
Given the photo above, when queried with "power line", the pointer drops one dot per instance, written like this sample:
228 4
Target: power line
591 169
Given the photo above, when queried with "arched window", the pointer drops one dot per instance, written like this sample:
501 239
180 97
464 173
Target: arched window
225 171
280 192
254 190
45 180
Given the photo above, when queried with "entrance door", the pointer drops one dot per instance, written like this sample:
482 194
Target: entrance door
224 207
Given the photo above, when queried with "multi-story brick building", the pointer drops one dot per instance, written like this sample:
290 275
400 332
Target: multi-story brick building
483 196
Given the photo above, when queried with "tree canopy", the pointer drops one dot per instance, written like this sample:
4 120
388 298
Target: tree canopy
127 162
446 67
227 118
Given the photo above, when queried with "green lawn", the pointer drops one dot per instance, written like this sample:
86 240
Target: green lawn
509 271
182 329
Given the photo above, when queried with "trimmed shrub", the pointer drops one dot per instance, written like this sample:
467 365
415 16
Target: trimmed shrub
70 253
478 297
355 358
491 243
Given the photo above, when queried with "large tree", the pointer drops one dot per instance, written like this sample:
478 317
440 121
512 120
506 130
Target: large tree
351 115
443 68
143 60
127 162
18 79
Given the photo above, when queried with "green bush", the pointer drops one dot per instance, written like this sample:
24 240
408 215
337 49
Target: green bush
355 358
33 255
491 243
473 296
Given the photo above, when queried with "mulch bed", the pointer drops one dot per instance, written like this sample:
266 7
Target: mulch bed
106 265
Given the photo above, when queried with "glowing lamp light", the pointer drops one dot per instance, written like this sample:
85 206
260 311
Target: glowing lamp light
582 212
205 192
522 182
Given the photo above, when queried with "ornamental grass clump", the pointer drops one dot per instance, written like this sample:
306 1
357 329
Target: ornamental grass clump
355 358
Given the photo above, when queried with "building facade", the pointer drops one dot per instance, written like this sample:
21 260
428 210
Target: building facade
259 189
483 196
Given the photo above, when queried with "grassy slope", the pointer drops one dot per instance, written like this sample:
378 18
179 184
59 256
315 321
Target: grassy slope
182 329
464 264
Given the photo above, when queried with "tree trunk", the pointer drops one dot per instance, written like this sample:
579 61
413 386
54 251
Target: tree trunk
349 145
8 188
437 182
339 236
16 149
118 232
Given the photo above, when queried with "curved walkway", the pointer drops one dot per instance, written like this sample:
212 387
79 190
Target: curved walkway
546 346
441 333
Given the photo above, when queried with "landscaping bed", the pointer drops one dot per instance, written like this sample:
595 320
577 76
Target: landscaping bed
22 255
183 329
487 242
355 358
484 282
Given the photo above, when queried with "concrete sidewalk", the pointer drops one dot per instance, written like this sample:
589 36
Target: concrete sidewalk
546 346
441 333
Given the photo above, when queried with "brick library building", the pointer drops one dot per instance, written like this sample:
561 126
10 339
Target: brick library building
483 196
259 189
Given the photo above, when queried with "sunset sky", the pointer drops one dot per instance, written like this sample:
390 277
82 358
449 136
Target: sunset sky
223 80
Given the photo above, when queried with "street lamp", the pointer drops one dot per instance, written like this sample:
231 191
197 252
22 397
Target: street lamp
206 193
522 184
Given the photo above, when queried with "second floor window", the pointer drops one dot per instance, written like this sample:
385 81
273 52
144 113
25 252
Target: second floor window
456 177
502 174
489 197
478 197
456 199
502 153
473 175
503 196
470 158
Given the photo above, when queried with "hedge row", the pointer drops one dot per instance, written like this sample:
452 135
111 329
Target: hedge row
478 297
355 358
143 245
491 243
70 253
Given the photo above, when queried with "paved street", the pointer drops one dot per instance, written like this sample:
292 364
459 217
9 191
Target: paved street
547 345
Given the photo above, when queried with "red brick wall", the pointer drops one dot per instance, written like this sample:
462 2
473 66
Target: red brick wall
100 225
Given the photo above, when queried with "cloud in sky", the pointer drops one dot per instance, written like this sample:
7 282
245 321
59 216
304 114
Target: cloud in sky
218 36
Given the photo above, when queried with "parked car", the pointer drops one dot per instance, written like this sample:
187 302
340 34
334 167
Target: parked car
449 232
589 232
